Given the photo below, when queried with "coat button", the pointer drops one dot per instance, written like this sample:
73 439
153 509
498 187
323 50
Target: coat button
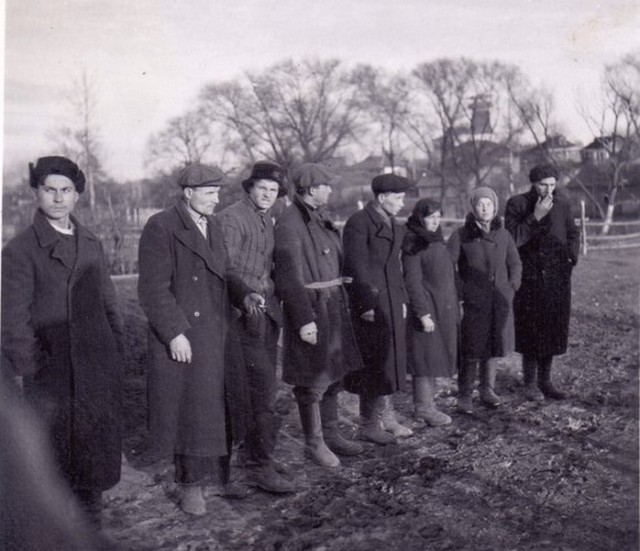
196 314
195 278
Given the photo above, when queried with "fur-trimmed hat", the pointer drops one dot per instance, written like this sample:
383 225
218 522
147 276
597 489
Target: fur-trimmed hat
266 170
46 166
540 172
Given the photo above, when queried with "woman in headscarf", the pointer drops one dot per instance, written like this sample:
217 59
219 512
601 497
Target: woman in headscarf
434 318
490 271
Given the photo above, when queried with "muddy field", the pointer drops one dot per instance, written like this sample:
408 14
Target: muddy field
562 476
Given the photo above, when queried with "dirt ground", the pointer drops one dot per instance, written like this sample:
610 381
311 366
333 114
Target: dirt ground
561 476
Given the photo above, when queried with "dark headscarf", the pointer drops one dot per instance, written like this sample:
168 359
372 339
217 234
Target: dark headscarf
418 238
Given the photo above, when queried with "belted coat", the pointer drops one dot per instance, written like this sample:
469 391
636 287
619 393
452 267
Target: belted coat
372 259
549 251
308 250
184 288
62 332
490 272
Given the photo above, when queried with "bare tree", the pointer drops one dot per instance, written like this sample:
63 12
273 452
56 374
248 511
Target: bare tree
290 112
79 139
615 122
385 103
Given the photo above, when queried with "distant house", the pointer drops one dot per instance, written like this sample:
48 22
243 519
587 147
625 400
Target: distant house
556 149
602 148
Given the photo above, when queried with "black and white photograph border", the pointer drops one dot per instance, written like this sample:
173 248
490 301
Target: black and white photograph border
133 91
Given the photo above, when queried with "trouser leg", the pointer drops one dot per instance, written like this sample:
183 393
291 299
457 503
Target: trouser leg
466 379
544 379
530 378
488 396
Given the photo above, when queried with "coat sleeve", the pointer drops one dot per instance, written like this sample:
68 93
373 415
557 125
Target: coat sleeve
111 307
453 247
155 259
573 237
420 299
232 235
20 346
363 293
521 224
288 277
514 264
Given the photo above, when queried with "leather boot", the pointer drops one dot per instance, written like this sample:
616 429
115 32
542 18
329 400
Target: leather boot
424 402
488 395
268 479
466 379
371 421
331 431
191 499
315 447
390 420
544 380
530 377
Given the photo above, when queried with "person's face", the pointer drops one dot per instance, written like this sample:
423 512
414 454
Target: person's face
56 198
391 203
264 193
202 199
484 209
321 194
545 186
432 222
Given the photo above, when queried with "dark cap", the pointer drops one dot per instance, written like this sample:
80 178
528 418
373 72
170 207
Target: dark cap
390 183
46 166
198 175
311 174
266 170
540 172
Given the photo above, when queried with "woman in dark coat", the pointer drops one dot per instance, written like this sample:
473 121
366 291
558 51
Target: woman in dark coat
372 239
548 241
62 332
490 271
433 325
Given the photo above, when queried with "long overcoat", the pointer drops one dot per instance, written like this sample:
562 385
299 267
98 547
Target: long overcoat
430 280
490 272
549 250
62 332
184 288
307 251
372 259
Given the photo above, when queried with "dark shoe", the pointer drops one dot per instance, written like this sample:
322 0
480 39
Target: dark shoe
489 398
233 490
465 404
552 393
533 394
267 479
340 445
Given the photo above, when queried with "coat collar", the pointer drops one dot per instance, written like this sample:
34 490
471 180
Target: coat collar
383 229
189 235
472 231
308 215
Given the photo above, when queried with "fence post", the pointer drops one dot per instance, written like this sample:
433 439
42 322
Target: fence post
583 224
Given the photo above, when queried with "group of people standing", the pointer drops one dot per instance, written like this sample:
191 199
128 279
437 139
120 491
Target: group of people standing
356 310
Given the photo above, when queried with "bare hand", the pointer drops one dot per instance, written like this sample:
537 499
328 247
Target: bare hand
309 333
404 311
543 206
428 326
369 316
254 303
181 349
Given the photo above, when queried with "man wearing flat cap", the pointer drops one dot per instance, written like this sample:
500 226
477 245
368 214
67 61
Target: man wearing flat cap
372 241
319 345
548 241
248 232
185 289
62 333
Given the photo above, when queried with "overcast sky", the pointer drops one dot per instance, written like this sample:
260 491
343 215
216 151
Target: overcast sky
148 59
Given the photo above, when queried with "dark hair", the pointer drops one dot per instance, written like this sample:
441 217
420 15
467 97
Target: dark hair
426 207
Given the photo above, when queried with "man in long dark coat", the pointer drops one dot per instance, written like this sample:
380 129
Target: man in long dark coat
184 289
247 226
548 241
372 242
62 333
319 345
